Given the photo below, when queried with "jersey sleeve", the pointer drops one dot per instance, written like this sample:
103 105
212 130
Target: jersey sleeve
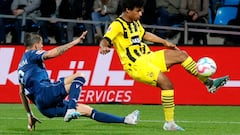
113 30
37 55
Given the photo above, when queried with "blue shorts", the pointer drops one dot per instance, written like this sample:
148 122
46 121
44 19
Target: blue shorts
50 99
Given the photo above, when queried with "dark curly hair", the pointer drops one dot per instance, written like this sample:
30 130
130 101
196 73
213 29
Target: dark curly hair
131 4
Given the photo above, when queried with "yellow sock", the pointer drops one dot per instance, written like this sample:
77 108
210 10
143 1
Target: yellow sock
168 104
191 66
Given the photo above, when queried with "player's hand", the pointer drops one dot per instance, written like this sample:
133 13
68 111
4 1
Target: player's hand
104 50
170 45
32 120
80 38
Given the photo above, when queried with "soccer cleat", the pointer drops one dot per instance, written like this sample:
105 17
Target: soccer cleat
71 114
172 126
132 118
216 83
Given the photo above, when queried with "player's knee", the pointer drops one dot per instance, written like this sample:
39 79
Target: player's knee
165 86
183 55
79 74
164 83
81 80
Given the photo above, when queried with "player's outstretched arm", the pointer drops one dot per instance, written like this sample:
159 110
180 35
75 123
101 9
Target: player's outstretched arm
31 118
57 51
154 38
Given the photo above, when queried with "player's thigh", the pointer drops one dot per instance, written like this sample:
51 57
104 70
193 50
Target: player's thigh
50 95
174 57
143 70
84 110
158 59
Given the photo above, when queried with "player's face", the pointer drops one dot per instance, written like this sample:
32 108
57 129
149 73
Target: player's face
39 45
135 14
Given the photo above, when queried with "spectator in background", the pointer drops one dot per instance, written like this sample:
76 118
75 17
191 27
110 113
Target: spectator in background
149 15
195 11
53 9
233 39
5 9
105 11
80 10
168 15
28 7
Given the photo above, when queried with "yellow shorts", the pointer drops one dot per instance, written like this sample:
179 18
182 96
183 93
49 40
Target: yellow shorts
147 67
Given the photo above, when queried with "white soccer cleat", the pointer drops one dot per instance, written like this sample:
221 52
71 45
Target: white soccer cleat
172 126
71 114
132 118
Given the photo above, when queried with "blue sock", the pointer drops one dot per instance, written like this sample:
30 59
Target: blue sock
105 117
75 90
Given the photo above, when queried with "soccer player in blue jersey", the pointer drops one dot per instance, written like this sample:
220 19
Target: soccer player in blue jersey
49 97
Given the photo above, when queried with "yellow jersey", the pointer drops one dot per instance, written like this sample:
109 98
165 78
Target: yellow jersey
126 37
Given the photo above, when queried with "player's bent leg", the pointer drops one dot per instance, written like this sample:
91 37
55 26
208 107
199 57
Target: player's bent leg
69 79
75 89
173 57
212 84
74 92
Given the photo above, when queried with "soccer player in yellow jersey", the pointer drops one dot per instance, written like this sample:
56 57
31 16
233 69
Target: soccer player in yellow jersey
126 35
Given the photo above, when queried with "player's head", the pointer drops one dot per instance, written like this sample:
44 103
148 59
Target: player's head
33 40
133 8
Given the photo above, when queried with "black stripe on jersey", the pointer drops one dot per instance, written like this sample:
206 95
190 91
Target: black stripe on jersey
135 26
136 52
129 27
129 55
124 29
143 49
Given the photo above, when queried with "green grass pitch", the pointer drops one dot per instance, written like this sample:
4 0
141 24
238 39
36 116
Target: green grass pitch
196 120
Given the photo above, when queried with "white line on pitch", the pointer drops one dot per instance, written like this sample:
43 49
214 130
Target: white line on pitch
145 121
206 122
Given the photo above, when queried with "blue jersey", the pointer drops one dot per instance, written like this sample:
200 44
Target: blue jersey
46 95
32 71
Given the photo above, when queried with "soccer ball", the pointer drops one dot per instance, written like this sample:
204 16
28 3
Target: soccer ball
206 66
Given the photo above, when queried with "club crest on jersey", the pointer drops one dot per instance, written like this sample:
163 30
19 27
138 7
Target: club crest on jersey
136 40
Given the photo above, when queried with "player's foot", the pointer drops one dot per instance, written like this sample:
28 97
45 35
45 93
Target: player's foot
172 126
71 114
132 118
216 83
